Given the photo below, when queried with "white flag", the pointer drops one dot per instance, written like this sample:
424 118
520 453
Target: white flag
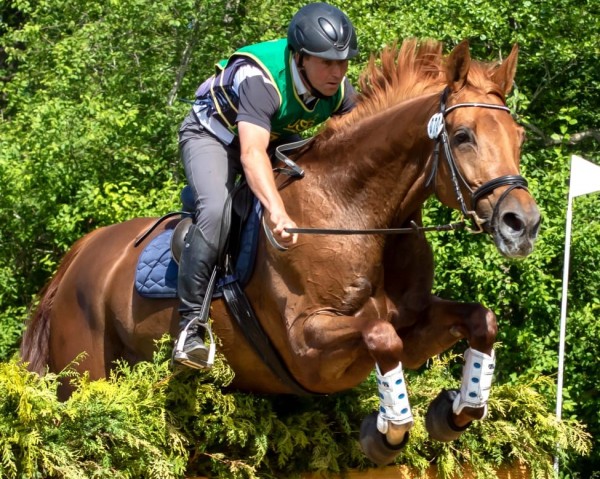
585 177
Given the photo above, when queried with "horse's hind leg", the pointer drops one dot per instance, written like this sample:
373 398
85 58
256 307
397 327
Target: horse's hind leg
446 322
83 355
79 337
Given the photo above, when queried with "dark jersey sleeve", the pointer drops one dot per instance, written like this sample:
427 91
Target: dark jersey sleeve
259 102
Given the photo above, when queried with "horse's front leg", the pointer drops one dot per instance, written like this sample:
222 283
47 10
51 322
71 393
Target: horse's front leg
447 322
384 432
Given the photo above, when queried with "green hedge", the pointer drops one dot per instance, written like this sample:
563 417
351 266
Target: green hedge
148 422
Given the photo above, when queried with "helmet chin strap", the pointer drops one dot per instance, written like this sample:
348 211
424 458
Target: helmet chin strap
313 91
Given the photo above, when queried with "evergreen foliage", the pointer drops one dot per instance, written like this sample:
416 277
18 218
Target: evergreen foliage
148 422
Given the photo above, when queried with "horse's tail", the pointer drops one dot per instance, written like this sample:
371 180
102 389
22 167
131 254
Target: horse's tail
35 347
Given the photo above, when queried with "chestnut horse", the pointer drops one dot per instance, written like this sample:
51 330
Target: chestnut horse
336 305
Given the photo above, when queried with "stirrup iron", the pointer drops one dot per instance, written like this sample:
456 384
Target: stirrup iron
181 357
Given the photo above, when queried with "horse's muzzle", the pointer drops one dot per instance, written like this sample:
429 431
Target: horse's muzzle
515 228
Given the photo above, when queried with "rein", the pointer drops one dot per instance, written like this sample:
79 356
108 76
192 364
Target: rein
437 131
414 228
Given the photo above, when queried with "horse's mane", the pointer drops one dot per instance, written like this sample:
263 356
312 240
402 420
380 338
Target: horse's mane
400 74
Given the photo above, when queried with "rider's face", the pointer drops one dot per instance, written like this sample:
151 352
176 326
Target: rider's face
325 75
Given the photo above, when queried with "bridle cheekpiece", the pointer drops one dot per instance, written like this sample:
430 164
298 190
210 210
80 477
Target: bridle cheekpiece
436 129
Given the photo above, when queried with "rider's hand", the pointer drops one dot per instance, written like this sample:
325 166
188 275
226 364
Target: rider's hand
282 221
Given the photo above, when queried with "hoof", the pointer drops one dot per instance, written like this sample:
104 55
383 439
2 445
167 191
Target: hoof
375 445
438 420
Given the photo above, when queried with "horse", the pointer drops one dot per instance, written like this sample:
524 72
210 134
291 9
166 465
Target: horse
336 306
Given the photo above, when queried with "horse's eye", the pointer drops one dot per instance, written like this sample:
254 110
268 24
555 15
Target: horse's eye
462 136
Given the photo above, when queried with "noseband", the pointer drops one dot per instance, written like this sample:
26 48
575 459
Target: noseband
436 130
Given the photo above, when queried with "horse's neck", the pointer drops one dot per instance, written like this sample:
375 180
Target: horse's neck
378 163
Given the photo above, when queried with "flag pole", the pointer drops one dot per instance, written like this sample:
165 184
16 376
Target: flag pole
563 319
585 178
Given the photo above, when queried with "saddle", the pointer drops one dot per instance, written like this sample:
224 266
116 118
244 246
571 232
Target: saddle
157 265
156 272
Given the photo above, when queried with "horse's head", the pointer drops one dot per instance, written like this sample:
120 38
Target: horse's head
481 143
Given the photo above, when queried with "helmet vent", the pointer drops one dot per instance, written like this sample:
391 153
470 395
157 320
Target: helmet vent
328 29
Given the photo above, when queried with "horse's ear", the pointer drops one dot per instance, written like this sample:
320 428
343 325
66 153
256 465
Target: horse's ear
505 74
459 62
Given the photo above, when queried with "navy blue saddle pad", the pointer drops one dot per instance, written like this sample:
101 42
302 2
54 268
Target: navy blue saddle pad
156 271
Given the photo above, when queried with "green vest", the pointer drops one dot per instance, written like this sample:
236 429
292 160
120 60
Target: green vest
293 116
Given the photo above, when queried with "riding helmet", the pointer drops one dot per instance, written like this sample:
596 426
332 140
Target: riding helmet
323 31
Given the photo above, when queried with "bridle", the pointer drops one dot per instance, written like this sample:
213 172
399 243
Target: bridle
436 129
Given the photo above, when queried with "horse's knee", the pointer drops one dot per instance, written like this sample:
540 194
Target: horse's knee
384 344
483 329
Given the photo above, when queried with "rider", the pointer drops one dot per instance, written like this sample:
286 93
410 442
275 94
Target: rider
264 93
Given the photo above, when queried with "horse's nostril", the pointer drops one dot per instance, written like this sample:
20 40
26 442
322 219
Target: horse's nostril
514 222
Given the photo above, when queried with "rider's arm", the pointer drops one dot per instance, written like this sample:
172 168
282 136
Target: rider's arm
254 141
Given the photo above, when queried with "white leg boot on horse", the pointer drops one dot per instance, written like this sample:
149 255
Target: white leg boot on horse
474 393
452 411
393 420
196 266
477 377
394 415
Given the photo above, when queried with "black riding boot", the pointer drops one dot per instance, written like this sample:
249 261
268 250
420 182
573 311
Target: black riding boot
196 265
